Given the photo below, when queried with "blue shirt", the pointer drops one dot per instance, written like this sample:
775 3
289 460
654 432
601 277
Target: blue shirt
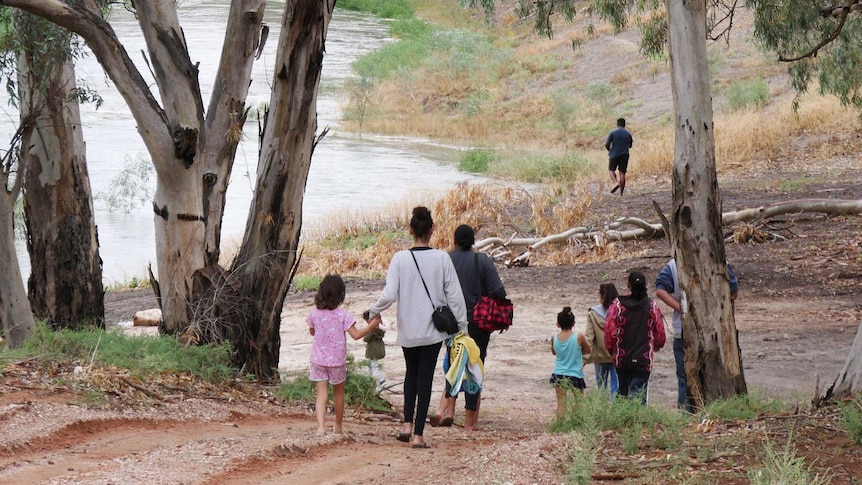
668 280
570 359
618 143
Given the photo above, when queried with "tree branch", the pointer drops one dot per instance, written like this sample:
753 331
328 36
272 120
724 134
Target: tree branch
842 13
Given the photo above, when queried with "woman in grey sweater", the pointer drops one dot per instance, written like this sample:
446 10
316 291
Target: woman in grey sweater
416 335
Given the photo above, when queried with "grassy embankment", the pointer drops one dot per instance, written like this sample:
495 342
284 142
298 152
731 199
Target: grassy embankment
531 109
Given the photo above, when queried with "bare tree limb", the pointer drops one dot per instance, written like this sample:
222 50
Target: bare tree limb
497 247
813 52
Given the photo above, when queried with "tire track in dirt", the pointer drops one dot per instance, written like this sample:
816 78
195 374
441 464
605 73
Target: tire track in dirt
99 451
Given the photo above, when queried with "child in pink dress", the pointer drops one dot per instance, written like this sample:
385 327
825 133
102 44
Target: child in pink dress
328 324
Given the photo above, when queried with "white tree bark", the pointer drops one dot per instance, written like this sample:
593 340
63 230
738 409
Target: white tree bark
713 362
16 317
850 380
173 131
65 285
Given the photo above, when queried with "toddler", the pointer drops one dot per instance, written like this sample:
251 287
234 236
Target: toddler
375 351
569 347
328 323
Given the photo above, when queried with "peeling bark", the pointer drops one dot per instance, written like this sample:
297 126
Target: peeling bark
268 252
16 318
713 362
65 284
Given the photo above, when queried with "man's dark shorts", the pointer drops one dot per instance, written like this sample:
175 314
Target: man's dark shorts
621 162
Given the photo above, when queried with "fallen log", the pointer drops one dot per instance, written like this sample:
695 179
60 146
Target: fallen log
646 230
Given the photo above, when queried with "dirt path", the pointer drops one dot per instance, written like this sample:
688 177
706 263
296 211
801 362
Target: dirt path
797 314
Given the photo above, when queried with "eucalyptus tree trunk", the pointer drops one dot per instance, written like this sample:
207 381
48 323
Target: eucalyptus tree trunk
713 362
849 382
269 248
16 318
65 285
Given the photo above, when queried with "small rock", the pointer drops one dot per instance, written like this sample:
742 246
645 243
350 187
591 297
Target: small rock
147 318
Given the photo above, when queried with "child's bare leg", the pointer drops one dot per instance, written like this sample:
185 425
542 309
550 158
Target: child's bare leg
321 396
561 401
338 397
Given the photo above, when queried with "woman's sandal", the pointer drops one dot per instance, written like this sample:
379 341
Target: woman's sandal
447 421
435 420
405 437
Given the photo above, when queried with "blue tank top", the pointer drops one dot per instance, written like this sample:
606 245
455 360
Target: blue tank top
570 359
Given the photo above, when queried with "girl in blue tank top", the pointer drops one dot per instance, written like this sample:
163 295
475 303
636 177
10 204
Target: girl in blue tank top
569 347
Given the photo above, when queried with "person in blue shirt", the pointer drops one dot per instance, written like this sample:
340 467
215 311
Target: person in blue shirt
667 290
569 348
618 143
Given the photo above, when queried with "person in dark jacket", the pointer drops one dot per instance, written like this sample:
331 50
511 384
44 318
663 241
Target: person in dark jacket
478 277
633 333
618 143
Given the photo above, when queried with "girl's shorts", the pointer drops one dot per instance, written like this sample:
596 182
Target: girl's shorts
575 382
334 374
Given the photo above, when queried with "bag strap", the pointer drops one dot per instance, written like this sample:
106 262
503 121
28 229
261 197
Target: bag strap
421 278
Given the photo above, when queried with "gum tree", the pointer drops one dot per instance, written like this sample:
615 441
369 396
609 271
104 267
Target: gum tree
713 360
193 149
65 284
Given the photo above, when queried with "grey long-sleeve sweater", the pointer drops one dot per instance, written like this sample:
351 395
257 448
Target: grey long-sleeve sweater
404 287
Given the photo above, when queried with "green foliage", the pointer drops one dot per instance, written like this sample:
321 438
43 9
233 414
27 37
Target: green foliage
129 283
851 418
744 406
142 355
748 94
565 108
595 411
477 160
360 390
630 438
408 53
583 458
796 31
785 468
388 9
359 92
306 282
535 168
359 237
131 188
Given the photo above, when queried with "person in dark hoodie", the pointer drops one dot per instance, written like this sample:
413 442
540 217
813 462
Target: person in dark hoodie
478 276
633 333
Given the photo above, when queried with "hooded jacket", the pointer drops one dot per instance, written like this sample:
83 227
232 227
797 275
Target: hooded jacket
633 332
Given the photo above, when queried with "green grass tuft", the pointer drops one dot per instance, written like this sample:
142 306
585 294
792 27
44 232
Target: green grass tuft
306 282
360 390
142 355
851 419
477 160
745 406
750 94
388 9
785 468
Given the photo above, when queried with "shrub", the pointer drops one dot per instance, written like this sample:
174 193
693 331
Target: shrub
785 468
477 160
744 95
